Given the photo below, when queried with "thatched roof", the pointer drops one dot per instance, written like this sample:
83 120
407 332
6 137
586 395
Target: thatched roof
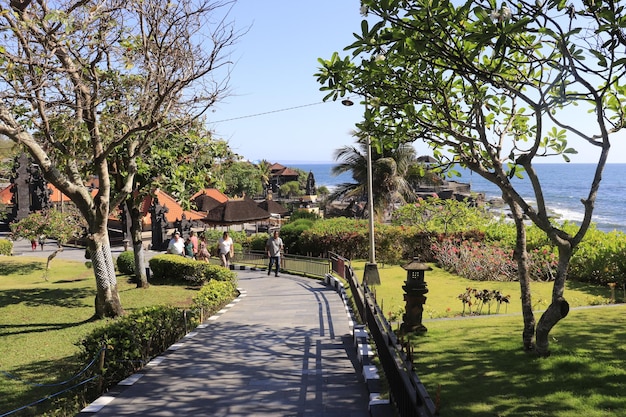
273 207
235 212
206 203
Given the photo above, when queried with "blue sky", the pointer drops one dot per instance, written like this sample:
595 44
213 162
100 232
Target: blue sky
275 109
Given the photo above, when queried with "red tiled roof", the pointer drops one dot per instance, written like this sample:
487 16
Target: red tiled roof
6 195
56 196
175 211
211 192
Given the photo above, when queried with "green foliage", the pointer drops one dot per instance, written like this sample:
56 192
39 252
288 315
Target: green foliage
242 179
214 295
442 216
291 189
257 242
178 269
347 237
600 258
290 233
6 247
53 224
129 342
303 214
126 262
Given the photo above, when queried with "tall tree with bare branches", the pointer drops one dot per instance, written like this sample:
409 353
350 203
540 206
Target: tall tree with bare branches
81 80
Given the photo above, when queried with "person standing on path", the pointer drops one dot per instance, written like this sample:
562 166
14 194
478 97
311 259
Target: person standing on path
274 247
226 249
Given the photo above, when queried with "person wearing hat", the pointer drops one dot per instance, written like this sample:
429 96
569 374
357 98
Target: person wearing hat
176 245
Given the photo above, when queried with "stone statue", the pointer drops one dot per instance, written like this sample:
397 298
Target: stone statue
310 184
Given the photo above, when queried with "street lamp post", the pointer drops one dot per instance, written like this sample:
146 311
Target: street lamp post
370 274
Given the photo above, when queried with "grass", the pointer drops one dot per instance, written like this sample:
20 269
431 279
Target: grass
444 289
476 367
41 322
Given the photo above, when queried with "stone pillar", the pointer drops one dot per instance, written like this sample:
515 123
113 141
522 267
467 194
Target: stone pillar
414 296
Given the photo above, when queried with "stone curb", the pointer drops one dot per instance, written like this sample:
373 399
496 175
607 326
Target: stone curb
378 407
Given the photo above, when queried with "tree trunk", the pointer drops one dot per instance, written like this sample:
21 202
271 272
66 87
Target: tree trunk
521 256
136 235
107 297
559 308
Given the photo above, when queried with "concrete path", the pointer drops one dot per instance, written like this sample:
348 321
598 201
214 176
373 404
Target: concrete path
283 348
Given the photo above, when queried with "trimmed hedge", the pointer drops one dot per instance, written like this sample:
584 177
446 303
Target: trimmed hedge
176 269
129 342
213 296
126 263
6 247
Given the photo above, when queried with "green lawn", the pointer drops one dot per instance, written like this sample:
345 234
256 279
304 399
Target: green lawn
41 322
444 289
476 365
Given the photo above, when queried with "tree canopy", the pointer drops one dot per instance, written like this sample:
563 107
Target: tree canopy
494 87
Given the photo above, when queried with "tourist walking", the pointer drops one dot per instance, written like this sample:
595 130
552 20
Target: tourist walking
176 245
274 247
226 249
203 252
189 248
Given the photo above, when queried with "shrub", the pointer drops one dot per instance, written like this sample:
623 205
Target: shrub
131 341
475 261
214 295
290 233
6 247
600 258
178 269
126 263
257 241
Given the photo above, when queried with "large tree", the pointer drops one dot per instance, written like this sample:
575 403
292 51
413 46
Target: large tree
81 80
496 88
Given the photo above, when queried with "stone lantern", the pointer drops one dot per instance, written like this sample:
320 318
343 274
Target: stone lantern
414 296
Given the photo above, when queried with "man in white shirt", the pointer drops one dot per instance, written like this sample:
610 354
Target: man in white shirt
176 245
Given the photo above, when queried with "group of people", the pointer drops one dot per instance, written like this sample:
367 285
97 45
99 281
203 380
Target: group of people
196 248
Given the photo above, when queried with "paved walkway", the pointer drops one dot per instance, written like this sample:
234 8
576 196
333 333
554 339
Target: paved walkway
283 348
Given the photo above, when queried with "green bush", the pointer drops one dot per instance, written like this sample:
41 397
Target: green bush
214 295
6 247
178 269
257 241
290 233
126 263
131 341
600 258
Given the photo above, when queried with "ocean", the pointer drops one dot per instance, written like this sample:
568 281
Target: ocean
564 186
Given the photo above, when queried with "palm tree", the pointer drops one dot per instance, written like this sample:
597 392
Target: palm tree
264 174
389 169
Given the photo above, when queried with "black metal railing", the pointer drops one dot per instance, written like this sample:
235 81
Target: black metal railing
310 266
406 390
